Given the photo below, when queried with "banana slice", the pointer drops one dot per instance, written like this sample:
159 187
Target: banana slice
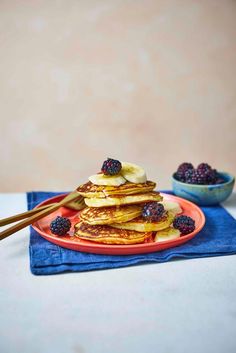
133 173
167 234
101 179
172 206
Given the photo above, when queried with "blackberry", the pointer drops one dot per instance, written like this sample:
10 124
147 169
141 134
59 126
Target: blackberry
211 176
189 175
196 177
153 211
111 167
184 224
204 167
60 225
180 174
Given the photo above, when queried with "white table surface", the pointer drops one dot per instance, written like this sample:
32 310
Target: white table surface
179 306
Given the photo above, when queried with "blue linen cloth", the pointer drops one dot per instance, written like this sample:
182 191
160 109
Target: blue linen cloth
218 237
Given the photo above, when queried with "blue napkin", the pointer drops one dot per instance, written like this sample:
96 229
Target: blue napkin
218 237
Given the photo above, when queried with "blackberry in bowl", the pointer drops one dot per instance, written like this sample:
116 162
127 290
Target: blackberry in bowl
203 185
182 169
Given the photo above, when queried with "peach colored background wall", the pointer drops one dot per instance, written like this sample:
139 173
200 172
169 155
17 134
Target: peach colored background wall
153 82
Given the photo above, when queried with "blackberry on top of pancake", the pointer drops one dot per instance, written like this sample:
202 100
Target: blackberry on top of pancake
154 217
118 183
140 224
122 206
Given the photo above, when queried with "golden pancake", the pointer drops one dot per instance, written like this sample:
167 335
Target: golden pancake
123 199
139 224
90 190
108 215
109 235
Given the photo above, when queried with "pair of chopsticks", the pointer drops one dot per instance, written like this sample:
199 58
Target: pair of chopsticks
34 215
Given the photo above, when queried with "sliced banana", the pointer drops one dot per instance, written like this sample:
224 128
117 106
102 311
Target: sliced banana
101 179
133 173
172 206
167 234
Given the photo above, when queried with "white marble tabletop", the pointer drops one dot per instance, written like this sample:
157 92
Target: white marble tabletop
179 306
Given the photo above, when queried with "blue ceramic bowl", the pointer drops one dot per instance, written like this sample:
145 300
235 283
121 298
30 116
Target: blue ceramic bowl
205 195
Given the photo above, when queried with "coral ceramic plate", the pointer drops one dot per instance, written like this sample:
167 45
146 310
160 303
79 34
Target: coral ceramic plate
71 242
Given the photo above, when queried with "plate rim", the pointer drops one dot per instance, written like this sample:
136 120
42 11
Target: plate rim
119 249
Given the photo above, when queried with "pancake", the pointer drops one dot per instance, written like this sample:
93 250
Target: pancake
139 224
108 215
90 190
109 235
123 199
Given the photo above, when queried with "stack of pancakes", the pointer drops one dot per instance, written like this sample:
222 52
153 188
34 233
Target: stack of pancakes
113 213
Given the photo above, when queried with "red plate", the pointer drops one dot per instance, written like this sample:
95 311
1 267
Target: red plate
74 243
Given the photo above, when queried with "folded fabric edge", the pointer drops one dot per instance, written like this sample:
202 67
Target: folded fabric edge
66 268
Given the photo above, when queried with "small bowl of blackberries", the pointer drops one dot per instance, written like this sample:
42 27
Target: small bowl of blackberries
203 185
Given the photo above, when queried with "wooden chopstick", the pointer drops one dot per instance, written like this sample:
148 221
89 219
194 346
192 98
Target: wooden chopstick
20 216
70 197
